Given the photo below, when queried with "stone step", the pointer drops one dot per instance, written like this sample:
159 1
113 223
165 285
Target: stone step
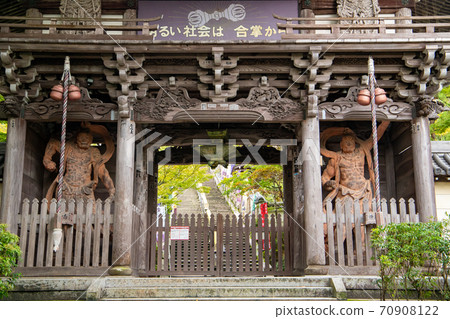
310 281
225 299
218 292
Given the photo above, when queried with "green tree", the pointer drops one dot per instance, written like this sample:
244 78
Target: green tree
173 180
9 256
3 125
440 130
3 130
265 179
410 256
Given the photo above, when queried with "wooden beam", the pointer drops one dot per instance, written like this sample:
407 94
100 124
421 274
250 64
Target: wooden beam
103 44
187 155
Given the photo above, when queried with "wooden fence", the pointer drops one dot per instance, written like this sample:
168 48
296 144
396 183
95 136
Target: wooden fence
221 246
85 245
347 234
216 246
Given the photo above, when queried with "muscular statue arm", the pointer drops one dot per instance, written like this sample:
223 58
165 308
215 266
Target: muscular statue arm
368 144
106 179
103 173
52 147
329 172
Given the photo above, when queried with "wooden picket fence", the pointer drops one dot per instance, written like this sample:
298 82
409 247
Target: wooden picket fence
218 246
85 244
347 235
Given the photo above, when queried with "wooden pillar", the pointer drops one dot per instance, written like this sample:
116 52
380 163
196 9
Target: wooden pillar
129 14
140 217
123 208
33 13
299 255
153 189
313 214
423 169
288 187
292 207
307 13
13 172
391 191
152 200
404 12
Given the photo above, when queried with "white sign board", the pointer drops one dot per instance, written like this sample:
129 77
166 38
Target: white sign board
179 233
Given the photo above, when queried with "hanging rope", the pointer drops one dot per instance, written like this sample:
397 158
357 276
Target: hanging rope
372 83
57 231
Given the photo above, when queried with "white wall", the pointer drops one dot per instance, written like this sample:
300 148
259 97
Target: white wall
442 198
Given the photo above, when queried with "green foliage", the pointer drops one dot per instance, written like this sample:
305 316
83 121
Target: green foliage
410 257
440 130
9 256
265 179
444 96
173 180
3 129
1 98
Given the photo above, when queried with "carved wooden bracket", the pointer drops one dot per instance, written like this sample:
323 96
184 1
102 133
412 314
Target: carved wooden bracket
85 109
18 71
313 71
427 72
123 65
348 109
222 74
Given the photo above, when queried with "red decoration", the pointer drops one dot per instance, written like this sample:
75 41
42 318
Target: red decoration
380 96
74 93
57 92
364 97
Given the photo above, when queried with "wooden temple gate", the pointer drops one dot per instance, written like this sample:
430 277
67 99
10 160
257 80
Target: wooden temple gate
294 88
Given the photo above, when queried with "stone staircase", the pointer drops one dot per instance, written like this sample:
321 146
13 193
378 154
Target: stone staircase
216 201
190 203
217 288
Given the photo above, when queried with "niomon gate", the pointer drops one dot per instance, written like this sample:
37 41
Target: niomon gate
291 90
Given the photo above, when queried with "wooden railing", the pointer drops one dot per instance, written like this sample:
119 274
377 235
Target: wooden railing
306 28
294 28
347 230
85 247
97 26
